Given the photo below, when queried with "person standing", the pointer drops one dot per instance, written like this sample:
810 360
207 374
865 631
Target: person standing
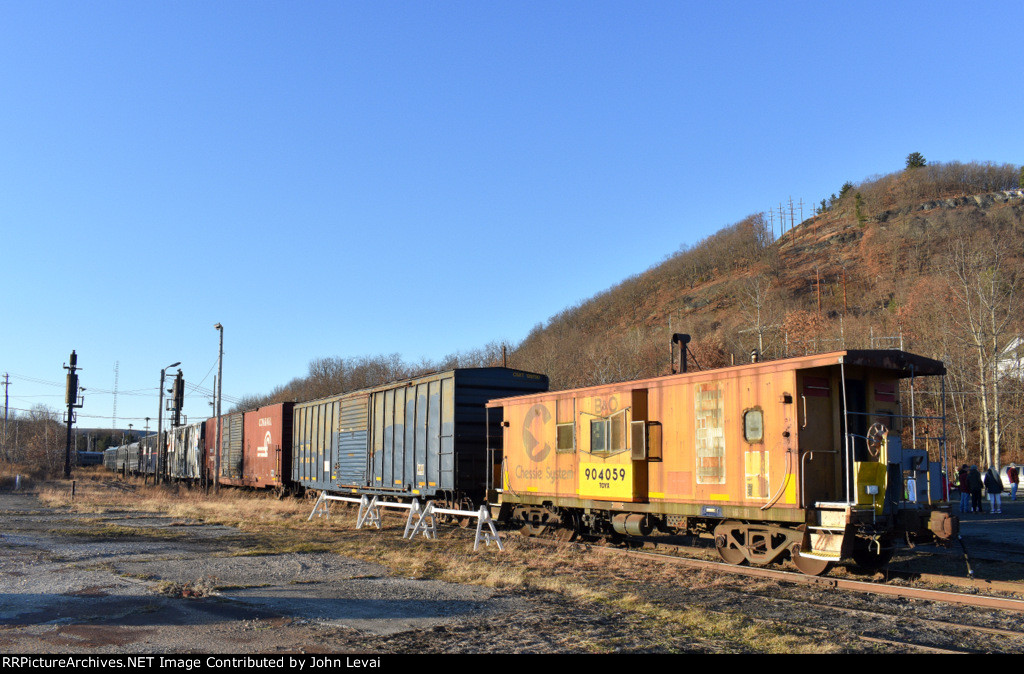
974 481
1014 477
964 485
994 487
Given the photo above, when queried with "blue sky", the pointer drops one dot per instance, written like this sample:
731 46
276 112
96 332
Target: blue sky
360 178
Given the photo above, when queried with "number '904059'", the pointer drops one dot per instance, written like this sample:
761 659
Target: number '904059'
605 474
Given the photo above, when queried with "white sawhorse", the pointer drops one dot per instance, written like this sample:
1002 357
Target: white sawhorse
427 523
421 518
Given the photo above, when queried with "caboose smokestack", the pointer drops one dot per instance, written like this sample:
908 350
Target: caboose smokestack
683 340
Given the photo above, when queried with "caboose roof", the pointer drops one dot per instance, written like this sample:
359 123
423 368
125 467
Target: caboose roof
901 363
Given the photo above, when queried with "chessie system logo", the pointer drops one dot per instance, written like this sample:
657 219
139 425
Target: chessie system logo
530 442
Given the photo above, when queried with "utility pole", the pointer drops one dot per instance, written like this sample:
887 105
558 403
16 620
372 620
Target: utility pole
117 365
220 389
845 306
71 398
213 413
817 282
148 453
6 384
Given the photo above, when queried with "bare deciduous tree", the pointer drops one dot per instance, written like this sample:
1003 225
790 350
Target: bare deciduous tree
984 285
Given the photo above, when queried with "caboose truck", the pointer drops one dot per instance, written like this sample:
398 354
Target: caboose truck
800 459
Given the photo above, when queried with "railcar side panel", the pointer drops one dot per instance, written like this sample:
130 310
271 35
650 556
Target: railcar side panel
678 441
267 441
427 436
232 448
185 451
314 443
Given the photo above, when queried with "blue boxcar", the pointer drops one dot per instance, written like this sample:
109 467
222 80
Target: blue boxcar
423 437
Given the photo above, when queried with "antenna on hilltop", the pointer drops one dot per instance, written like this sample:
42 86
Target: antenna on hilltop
116 365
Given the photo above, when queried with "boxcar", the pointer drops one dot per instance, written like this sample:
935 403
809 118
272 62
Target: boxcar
423 437
185 451
232 448
255 447
149 454
329 442
799 458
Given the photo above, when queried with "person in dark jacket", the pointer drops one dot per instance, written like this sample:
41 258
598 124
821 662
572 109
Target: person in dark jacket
963 484
994 487
1013 475
974 482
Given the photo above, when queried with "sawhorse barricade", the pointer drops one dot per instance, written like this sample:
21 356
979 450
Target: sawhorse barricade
369 508
427 523
421 518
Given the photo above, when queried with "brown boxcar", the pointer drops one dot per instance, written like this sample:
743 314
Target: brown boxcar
798 458
267 442
256 447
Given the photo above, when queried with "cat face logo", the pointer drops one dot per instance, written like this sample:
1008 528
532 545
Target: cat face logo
529 441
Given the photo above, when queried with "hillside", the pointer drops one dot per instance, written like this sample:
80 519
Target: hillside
914 258
928 259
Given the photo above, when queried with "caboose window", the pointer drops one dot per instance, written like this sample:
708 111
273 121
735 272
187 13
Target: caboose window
566 437
753 426
618 435
599 436
608 436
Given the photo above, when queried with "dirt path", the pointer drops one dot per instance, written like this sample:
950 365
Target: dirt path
74 583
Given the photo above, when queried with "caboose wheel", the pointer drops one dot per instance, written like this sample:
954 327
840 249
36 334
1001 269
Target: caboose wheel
729 554
728 542
569 528
807 565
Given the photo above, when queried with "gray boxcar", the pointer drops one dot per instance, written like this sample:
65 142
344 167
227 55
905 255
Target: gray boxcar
423 437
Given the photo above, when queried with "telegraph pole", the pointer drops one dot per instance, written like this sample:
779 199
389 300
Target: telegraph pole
71 398
220 389
6 384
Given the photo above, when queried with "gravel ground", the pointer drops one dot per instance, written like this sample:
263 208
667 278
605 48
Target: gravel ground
190 591
71 584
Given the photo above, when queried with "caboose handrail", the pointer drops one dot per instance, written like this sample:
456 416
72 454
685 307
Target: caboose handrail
803 472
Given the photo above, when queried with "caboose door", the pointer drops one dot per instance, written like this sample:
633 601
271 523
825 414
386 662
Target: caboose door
818 409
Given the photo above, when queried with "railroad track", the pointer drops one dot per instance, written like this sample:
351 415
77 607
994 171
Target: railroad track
979 635
672 554
798 604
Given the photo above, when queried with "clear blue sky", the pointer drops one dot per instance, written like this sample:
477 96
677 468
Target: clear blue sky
334 178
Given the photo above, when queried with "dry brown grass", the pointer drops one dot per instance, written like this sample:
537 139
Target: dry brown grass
610 582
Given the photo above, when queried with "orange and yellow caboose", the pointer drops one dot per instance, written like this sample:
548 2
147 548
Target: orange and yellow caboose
801 458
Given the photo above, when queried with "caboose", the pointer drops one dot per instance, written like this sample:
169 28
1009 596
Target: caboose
812 459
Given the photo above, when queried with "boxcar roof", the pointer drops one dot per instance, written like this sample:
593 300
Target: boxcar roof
429 376
901 363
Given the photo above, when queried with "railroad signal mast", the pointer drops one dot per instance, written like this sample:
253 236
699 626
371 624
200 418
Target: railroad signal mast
177 401
73 401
